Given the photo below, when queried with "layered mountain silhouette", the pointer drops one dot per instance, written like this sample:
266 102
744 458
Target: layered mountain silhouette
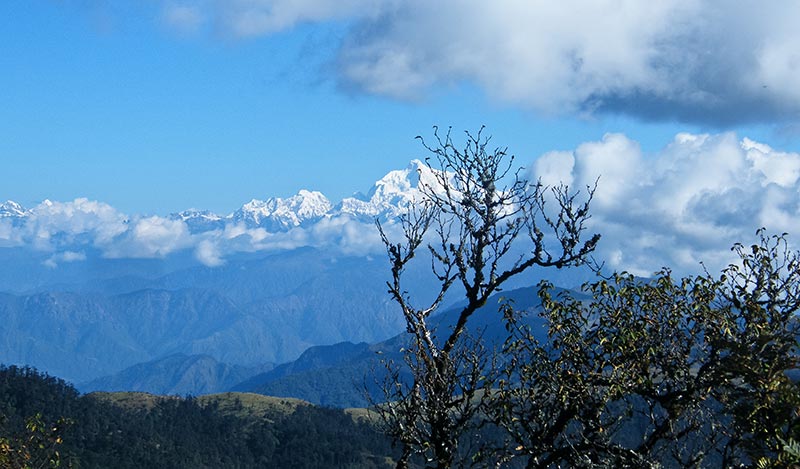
198 302
343 375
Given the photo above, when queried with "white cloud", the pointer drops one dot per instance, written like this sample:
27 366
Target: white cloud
62 226
10 235
337 235
54 224
776 167
554 168
698 60
63 257
248 18
68 229
208 253
546 54
151 237
616 160
184 18
702 61
347 235
686 204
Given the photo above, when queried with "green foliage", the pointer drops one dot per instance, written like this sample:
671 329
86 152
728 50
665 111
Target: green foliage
788 457
136 430
759 336
36 447
33 422
685 372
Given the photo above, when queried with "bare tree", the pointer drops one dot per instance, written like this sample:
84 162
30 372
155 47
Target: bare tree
472 220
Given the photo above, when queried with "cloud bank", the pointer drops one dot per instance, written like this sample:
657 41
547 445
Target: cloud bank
685 204
700 61
688 203
69 229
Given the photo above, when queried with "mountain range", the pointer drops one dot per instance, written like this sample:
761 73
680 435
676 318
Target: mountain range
75 304
254 311
388 198
342 375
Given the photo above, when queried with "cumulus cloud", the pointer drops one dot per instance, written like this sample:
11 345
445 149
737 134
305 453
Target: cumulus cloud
51 225
341 234
684 205
61 226
349 236
208 253
695 60
151 237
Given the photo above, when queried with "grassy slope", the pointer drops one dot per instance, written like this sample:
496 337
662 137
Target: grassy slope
239 404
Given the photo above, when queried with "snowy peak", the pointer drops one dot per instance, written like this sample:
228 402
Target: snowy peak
11 209
306 204
199 221
404 181
194 214
278 214
398 182
392 194
388 198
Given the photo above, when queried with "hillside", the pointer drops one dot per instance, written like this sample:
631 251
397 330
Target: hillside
246 313
140 430
342 375
177 374
337 375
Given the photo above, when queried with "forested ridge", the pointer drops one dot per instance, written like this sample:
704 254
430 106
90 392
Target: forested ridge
43 418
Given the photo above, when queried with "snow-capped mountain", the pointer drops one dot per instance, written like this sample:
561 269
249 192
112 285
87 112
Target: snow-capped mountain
11 209
388 198
199 221
305 219
392 194
13 213
278 214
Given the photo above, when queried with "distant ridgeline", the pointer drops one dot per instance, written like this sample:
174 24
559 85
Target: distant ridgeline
100 312
330 375
41 415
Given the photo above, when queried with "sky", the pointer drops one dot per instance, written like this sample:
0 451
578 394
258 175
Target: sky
688 108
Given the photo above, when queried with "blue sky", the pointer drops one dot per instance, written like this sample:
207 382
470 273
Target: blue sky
113 101
688 110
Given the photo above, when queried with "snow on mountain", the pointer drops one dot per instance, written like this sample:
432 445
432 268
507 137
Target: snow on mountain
13 215
199 221
194 214
392 194
11 209
389 197
305 219
278 214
